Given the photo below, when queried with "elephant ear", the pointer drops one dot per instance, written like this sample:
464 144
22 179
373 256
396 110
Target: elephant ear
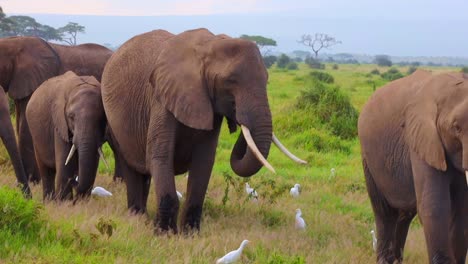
60 86
421 132
178 79
35 63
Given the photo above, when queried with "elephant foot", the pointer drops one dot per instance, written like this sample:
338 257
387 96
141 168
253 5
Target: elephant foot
136 210
191 221
34 179
166 218
25 190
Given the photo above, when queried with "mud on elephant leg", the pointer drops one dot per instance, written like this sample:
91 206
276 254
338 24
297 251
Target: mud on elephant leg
160 158
25 143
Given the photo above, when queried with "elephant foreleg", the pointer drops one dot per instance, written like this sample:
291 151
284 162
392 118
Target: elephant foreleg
459 219
433 198
160 160
25 143
9 140
203 157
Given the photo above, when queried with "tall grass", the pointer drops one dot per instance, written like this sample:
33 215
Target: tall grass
335 208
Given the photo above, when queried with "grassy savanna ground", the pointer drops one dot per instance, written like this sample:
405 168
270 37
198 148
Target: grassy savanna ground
336 209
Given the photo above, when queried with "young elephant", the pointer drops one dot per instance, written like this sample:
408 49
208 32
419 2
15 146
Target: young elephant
66 114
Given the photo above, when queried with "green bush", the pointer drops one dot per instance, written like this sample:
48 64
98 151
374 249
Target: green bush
322 76
464 69
292 66
17 213
375 72
269 60
283 61
314 64
392 74
411 70
332 106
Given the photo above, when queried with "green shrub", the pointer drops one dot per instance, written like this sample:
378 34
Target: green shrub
392 74
292 66
269 60
375 72
19 214
332 106
464 69
283 61
314 64
411 70
322 76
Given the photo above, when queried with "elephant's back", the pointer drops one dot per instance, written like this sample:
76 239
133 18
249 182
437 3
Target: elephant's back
125 88
85 59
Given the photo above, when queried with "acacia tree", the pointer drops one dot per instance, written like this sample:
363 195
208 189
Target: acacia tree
263 43
68 32
25 26
318 42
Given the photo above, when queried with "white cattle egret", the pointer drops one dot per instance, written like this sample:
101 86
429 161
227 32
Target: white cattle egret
251 192
300 223
374 240
179 195
332 172
234 255
295 190
99 191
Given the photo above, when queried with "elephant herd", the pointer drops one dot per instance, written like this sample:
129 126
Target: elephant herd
160 100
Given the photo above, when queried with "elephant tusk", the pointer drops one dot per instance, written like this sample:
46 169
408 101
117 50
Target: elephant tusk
286 151
101 154
253 147
466 175
70 155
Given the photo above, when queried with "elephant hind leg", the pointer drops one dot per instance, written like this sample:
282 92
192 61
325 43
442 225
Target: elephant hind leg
25 143
137 188
401 232
385 219
48 181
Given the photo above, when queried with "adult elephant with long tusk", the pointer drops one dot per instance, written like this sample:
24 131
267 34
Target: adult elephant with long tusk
165 97
67 124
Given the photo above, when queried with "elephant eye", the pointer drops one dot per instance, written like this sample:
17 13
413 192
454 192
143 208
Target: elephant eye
456 127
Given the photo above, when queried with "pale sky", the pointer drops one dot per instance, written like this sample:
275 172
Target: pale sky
394 27
405 9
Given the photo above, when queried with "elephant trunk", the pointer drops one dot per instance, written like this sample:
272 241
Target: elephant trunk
465 163
88 160
258 121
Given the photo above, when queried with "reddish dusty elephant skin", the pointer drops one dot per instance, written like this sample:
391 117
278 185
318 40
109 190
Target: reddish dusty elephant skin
67 111
26 62
414 140
165 97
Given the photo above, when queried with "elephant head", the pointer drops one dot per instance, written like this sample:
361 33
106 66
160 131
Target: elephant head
79 117
25 62
437 121
199 76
